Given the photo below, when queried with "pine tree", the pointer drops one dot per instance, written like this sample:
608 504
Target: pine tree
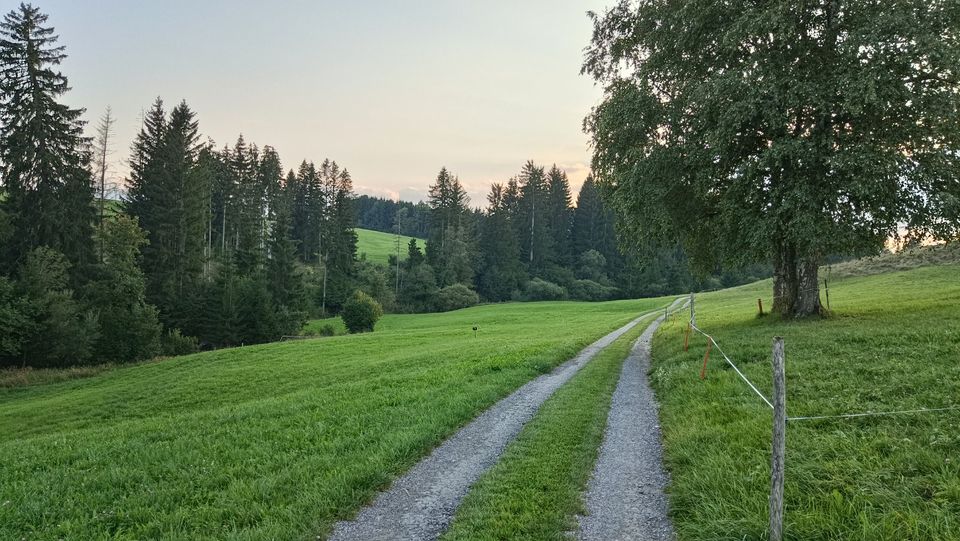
449 244
190 195
249 207
283 280
559 214
169 196
129 327
535 247
44 164
593 227
500 272
338 239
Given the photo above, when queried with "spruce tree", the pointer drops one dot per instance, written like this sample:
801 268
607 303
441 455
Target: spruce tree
169 196
536 246
593 227
448 243
44 164
129 327
559 214
283 279
500 272
190 195
338 239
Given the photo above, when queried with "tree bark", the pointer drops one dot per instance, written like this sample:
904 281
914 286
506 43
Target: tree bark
796 289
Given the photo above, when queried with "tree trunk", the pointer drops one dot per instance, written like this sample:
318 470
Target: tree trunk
796 289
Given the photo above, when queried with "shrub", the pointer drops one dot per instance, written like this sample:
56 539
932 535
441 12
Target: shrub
326 330
62 333
588 290
592 266
542 290
174 343
456 297
361 312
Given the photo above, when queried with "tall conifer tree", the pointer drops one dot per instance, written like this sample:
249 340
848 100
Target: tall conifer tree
44 167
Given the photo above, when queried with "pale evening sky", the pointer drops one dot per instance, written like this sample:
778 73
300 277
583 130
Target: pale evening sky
390 90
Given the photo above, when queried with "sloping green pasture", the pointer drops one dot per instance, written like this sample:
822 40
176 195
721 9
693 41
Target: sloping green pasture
892 343
378 246
268 442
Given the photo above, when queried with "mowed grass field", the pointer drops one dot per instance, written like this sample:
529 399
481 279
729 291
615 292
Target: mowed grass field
268 442
378 246
893 343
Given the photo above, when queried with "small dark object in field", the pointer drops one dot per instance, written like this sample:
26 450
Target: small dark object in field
475 327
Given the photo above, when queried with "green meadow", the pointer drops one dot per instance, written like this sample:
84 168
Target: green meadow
377 246
891 343
274 441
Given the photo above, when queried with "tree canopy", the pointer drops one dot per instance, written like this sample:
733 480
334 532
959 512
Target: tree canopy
781 131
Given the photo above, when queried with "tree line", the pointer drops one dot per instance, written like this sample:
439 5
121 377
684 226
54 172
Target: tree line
209 247
380 214
531 242
223 246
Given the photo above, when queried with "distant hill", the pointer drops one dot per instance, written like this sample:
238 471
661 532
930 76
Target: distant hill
378 246
911 258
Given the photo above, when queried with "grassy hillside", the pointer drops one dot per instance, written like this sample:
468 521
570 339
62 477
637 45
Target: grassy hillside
268 442
893 343
911 258
379 246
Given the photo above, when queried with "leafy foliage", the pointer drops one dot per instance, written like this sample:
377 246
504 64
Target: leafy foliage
779 131
542 290
129 326
455 297
61 332
361 312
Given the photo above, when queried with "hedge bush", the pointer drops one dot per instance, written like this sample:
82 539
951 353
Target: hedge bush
456 297
361 312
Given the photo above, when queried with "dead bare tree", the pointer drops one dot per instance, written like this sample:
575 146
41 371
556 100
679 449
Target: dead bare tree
101 150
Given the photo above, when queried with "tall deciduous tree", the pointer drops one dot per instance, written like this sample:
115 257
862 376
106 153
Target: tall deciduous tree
780 130
44 164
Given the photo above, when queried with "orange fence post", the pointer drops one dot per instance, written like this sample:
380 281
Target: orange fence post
706 357
686 338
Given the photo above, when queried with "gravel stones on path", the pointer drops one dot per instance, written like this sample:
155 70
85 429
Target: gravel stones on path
421 504
625 497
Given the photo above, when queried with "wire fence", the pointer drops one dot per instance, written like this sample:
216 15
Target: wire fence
780 419
852 415
734 366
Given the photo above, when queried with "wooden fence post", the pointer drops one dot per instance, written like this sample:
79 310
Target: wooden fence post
826 288
779 441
